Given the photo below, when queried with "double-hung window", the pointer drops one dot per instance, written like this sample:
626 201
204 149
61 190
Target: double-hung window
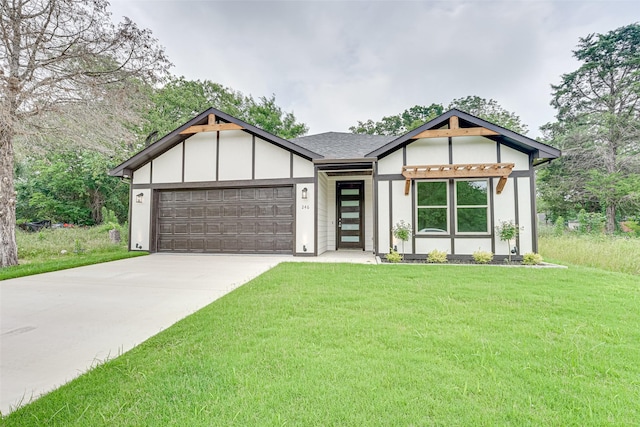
433 199
470 205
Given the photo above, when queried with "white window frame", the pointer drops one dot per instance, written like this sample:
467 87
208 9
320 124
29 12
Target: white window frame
487 206
446 206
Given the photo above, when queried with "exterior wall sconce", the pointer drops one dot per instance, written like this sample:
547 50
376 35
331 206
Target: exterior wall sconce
304 193
139 197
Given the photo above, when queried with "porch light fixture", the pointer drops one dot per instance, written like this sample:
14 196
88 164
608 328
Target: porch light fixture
304 193
139 197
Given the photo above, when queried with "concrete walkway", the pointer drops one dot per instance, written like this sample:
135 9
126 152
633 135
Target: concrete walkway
55 326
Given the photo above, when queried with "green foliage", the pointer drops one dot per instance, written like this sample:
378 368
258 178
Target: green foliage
399 124
598 112
508 232
418 115
437 257
531 258
70 186
402 230
394 256
559 227
482 257
590 222
632 225
491 111
180 100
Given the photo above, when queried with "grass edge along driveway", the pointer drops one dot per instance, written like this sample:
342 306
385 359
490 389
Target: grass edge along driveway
339 344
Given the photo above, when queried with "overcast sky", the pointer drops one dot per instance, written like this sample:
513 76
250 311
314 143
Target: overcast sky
336 62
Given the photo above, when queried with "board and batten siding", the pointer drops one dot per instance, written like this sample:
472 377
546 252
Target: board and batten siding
234 156
513 204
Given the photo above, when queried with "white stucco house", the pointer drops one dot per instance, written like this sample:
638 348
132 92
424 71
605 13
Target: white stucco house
219 185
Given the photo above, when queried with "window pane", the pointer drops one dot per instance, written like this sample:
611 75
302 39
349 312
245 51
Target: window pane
471 193
350 239
351 227
350 192
350 215
472 220
432 194
350 203
432 220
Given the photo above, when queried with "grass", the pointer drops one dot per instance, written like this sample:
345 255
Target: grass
59 249
621 254
337 344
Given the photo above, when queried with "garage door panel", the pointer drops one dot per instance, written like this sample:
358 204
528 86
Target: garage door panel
284 193
230 220
283 210
213 211
214 195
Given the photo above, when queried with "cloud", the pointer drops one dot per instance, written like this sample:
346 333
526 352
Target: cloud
337 62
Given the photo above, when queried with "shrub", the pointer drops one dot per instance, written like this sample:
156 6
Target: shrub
508 231
531 258
402 231
589 222
482 257
437 257
394 256
558 227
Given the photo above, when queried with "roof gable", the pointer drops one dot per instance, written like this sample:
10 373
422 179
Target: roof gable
468 121
175 137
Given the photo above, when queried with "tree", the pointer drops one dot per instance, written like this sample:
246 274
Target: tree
491 111
417 115
53 54
598 122
180 100
69 186
399 124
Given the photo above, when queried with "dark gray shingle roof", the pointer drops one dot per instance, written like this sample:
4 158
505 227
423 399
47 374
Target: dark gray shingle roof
342 145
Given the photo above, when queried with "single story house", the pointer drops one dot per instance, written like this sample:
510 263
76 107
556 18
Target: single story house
219 185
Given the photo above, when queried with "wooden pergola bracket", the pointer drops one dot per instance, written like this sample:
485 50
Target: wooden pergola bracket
455 130
211 126
468 170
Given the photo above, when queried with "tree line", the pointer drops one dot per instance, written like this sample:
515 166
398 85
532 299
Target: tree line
79 94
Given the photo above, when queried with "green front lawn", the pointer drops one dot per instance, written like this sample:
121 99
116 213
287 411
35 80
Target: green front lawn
355 345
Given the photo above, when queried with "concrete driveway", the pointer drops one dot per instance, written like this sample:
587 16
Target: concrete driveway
55 326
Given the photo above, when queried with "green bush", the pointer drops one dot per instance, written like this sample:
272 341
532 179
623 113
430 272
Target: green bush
558 227
394 256
482 257
531 258
437 257
590 222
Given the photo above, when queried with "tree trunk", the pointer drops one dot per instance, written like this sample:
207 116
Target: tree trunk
8 246
610 226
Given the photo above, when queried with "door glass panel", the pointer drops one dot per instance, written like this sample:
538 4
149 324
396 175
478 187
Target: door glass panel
350 192
350 214
351 227
351 203
351 239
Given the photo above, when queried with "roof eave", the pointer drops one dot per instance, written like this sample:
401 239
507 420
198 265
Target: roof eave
175 137
505 133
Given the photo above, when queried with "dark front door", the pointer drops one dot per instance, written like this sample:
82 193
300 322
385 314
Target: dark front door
350 203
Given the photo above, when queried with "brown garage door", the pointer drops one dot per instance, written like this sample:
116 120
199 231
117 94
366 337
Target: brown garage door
232 220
